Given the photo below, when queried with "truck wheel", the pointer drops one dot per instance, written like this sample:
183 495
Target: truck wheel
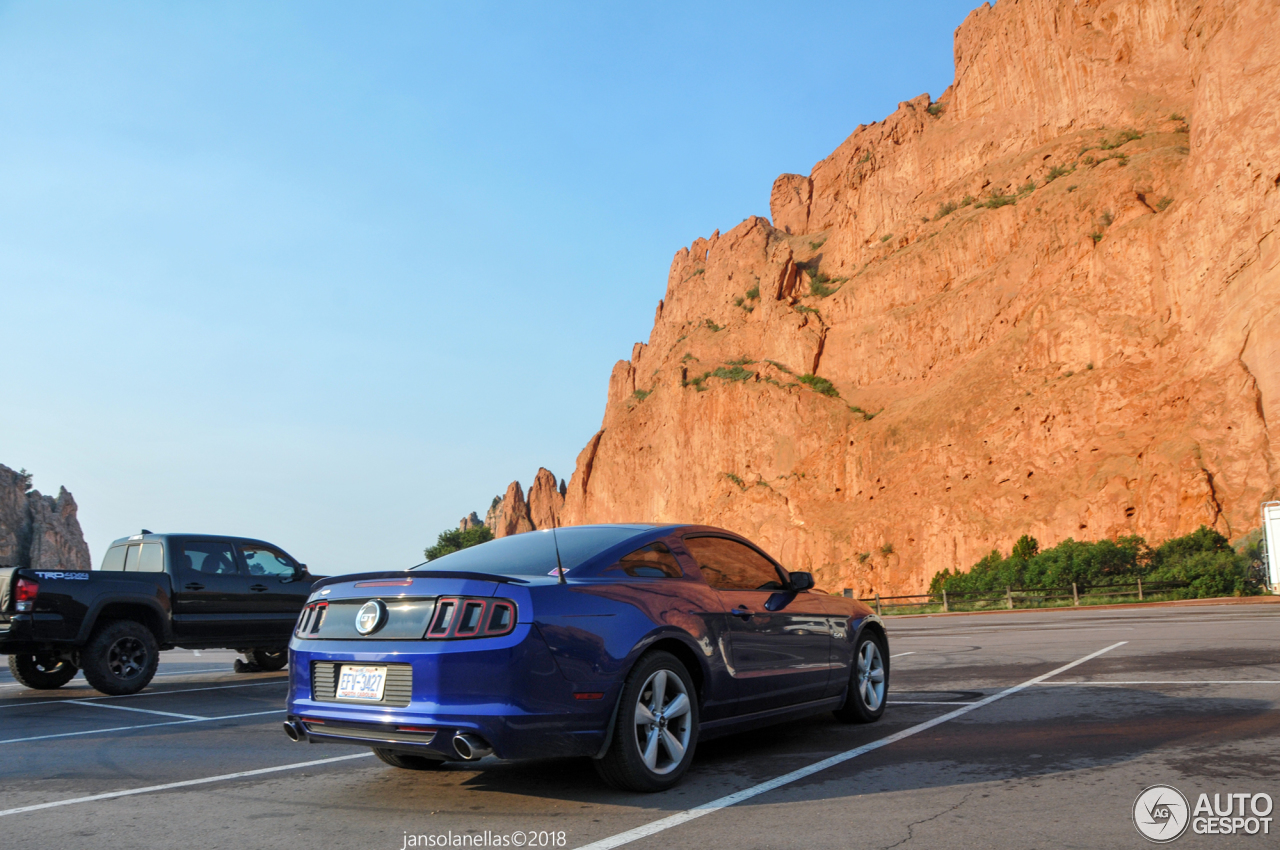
270 659
408 762
41 672
120 658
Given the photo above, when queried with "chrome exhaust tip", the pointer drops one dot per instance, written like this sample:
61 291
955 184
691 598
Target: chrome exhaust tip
295 731
470 748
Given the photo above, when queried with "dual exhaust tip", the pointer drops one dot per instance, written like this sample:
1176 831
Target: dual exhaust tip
468 747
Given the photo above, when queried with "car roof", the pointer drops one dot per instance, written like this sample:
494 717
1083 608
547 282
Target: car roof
152 536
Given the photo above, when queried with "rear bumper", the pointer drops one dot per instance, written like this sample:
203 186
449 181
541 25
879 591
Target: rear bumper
507 691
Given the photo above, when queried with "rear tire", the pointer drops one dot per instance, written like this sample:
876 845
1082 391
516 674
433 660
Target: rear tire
406 761
120 658
42 672
656 730
270 660
868 681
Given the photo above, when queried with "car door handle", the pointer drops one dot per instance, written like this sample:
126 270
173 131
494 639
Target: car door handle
741 611
193 586
257 588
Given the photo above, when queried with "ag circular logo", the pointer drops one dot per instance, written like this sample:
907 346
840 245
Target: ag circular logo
371 617
1161 813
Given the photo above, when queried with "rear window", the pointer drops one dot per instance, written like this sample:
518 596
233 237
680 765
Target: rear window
113 561
152 558
533 553
652 561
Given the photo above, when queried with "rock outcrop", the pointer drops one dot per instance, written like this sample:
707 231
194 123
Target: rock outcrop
1045 304
469 522
38 531
513 513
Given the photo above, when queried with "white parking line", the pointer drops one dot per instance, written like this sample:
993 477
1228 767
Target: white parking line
80 679
795 775
88 704
138 726
1171 682
280 680
111 795
923 702
900 654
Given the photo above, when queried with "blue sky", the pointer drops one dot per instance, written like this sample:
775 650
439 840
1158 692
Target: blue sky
334 274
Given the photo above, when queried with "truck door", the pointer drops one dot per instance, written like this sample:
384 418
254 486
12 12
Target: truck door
212 598
278 596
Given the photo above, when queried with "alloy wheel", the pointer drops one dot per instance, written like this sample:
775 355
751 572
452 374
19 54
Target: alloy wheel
870 676
127 657
663 725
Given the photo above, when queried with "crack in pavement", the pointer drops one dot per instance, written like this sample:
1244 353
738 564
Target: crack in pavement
911 827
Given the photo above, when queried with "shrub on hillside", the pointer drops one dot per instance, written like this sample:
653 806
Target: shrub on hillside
1204 559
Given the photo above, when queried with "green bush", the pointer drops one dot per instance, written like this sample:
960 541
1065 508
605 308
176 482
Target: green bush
455 539
1203 559
821 385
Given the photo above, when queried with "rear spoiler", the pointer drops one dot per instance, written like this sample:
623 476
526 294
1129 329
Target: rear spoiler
325 582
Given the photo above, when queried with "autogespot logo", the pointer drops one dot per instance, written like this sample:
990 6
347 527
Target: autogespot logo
1160 813
371 616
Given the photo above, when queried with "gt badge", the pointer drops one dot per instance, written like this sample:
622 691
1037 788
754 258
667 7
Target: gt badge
371 617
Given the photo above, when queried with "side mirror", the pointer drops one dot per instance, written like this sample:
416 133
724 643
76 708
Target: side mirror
801 581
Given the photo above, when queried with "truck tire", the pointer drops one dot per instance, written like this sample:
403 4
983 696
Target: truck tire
270 659
41 672
120 658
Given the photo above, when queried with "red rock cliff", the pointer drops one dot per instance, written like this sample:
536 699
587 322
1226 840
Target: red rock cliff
1046 304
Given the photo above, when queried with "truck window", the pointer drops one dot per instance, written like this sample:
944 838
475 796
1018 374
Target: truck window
152 558
114 559
131 559
208 556
265 561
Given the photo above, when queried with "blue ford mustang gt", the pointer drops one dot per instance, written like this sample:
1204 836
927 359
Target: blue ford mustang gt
626 643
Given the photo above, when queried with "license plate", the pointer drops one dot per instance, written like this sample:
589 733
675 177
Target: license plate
365 683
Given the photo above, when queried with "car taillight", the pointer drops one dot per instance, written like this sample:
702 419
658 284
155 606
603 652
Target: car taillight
310 619
471 617
24 593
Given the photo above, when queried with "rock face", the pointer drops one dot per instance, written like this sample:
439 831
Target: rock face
38 531
1048 303
514 514
469 522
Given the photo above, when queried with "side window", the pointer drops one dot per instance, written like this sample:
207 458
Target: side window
114 559
151 560
263 561
652 561
729 565
209 557
131 559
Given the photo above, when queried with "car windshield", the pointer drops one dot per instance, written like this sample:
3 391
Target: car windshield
534 553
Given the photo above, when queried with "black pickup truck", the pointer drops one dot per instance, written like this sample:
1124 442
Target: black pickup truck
152 592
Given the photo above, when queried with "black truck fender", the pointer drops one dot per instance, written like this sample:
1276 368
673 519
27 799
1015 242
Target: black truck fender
143 609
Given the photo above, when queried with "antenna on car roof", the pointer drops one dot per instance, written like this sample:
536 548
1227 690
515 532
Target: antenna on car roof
559 566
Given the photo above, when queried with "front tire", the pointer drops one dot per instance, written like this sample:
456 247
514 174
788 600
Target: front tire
406 761
270 660
120 658
656 730
42 672
868 681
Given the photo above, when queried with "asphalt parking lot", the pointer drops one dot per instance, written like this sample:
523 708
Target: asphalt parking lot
1181 695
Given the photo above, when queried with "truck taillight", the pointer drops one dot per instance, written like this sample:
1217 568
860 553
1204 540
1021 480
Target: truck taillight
24 593
471 617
